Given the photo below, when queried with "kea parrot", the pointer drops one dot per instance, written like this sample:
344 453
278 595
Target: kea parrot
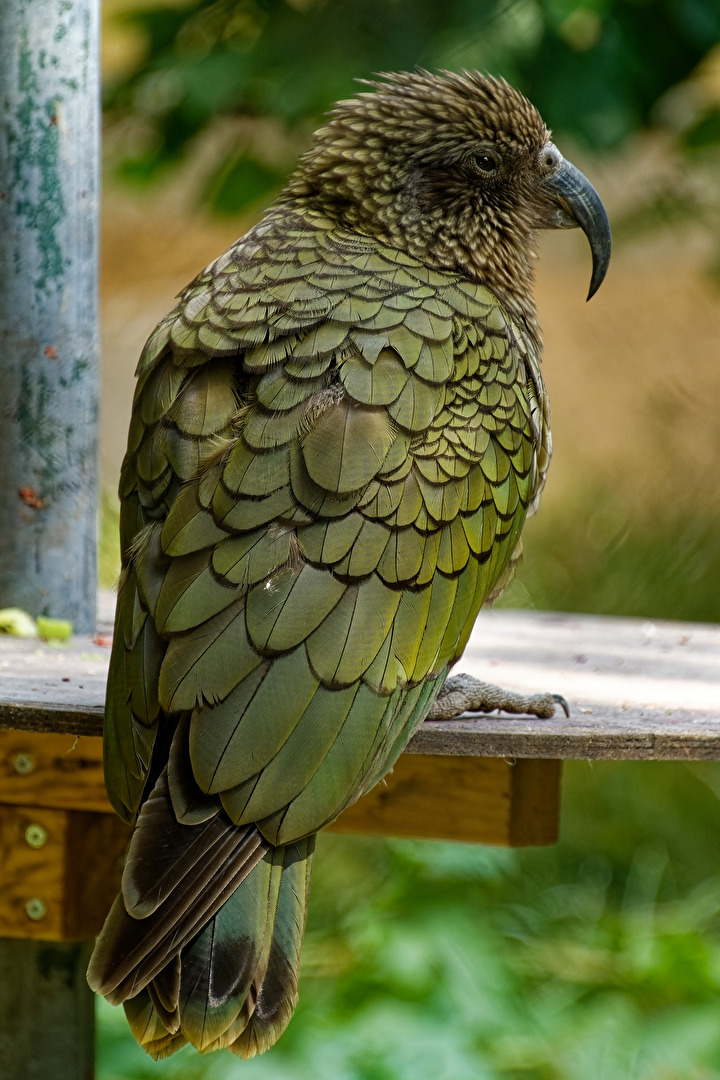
336 437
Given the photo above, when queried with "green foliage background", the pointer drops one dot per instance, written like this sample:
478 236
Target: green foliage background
598 68
598 959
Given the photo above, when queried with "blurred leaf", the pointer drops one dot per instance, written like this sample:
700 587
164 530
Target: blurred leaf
704 132
239 183
108 541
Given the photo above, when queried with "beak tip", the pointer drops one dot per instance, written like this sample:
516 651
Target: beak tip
601 261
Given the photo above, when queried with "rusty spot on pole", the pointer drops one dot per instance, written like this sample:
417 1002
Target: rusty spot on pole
31 498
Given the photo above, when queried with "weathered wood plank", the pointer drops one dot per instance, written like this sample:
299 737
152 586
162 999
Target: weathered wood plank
636 689
53 687
54 770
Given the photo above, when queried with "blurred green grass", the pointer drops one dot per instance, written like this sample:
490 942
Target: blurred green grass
596 553
597 959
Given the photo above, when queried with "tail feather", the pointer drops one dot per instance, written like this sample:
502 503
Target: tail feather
215 960
148 1029
220 965
153 871
247 958
164 991
166 986
277 994
130 952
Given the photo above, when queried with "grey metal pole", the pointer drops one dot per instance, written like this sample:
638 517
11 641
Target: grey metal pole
49 123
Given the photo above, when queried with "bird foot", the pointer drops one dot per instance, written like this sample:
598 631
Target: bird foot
463 693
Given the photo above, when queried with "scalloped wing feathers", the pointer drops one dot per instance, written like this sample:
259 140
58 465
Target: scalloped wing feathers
321 426
332 453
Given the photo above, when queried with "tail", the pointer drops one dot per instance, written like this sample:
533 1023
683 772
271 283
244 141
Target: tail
203 943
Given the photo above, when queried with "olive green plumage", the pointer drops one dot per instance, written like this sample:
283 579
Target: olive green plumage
337 435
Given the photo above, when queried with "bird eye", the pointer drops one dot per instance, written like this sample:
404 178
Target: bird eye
487 164
550 158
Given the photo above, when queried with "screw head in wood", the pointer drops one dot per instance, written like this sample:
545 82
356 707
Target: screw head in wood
36 836
23 763
35 908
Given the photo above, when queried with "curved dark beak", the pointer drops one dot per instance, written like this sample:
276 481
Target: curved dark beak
579 205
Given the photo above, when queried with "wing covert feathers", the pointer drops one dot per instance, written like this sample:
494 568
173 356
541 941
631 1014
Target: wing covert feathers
332 453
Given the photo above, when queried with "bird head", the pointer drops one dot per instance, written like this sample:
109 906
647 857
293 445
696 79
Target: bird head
458 170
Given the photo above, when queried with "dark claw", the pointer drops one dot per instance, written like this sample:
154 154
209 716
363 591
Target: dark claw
563 703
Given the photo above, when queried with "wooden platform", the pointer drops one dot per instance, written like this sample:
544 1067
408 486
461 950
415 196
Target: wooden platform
636 689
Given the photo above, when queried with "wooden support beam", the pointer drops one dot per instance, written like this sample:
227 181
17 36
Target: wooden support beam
60 872
52 770
479 800
476 800
61 845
